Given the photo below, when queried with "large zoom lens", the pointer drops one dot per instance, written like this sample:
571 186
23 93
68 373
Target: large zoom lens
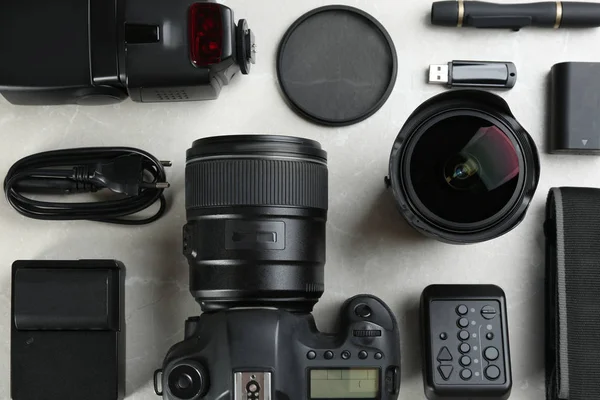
256 210
462 169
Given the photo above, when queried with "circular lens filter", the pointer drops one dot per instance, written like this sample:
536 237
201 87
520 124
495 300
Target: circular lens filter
336 65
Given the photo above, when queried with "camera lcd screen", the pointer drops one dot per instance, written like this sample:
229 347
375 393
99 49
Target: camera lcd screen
359 383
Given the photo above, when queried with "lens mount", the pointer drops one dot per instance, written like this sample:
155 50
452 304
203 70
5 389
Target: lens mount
462 169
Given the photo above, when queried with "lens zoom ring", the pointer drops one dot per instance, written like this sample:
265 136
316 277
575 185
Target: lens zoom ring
215 183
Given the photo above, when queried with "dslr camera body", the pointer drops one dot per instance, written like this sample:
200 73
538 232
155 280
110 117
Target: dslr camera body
269 354
256 208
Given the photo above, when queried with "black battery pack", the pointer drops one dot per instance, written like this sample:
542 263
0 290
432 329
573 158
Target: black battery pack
575 108
67 331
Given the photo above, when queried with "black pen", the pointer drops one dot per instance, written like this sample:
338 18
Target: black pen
550 14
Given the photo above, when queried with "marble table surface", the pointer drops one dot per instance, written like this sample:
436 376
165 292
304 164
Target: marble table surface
369 246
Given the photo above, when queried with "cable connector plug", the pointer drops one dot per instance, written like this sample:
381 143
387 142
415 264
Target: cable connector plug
125 175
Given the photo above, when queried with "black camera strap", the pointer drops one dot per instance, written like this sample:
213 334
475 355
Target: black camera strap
573 294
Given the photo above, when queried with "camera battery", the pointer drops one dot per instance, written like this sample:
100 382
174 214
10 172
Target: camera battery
67 332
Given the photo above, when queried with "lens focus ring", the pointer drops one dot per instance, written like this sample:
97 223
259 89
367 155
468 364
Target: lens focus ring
256 182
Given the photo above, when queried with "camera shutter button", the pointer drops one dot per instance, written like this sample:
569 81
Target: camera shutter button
363 311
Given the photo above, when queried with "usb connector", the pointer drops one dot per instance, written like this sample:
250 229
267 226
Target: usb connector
483 74
438 73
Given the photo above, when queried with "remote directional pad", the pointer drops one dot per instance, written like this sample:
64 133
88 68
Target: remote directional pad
467 342
444 355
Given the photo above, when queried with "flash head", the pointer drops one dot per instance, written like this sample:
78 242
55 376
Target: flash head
101 52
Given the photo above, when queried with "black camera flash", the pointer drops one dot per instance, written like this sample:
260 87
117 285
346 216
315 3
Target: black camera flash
148 50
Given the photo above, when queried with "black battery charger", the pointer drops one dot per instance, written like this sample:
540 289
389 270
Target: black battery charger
67 333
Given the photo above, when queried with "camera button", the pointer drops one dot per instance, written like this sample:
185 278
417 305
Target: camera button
346 354
328 355
491 354
363 311
464 348
465 361
488 312
466 374
462 323
311 355
378 356
392 380
492 372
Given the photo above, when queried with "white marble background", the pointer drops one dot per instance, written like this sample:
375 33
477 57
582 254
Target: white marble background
370 248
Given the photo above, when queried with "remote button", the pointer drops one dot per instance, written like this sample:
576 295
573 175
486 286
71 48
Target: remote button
491 354
492 372
466 374
346 354
378 356
445 371
362 311
465 361
488 312
462 310
463 335
311 355
489 336
462 323
444 355
363 354
464 348
443 336
328 355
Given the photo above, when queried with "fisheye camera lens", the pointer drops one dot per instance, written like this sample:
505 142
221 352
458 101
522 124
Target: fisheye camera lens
463 170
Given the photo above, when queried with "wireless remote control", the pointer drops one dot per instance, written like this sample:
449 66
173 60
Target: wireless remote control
465 342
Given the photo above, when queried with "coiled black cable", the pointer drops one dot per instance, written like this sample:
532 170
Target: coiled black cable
137 176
